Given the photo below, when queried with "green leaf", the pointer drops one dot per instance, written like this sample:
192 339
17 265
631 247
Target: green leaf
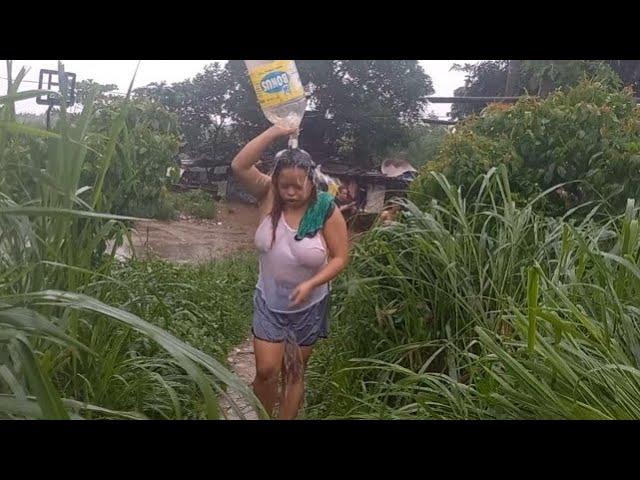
533 285
14 127
48 398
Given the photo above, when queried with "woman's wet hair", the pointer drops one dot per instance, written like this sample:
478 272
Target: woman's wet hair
298 158
294 158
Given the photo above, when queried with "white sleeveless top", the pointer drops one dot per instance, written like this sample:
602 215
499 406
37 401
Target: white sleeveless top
288 263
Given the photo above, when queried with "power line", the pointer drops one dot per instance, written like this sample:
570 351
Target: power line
28 81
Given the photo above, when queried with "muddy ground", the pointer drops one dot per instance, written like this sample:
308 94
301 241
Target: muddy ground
191 240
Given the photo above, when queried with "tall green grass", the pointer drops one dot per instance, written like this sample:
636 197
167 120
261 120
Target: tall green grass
474 308
55 334
204 305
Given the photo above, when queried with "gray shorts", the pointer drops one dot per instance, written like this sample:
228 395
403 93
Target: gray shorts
308 326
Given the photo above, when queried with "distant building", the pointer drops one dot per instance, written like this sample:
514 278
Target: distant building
370 188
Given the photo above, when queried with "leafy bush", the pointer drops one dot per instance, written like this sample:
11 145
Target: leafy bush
196 203
136 181
588 135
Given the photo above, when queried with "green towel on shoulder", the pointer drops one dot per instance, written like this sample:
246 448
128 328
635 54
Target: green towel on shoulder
316 215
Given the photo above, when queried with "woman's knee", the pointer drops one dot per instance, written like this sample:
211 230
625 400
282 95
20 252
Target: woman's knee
267 373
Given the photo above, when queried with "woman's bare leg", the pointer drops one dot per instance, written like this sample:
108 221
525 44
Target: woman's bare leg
268 365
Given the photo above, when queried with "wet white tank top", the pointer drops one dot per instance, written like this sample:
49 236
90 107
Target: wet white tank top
288 263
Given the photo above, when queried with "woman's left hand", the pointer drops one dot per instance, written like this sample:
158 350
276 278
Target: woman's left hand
301 293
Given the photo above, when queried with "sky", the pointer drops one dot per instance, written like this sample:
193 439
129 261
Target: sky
120 72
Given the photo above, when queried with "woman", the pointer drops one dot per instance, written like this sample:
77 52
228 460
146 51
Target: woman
302 242
345 202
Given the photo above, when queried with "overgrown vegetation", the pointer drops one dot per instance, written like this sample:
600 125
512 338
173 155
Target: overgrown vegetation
476 308
65 341
506 289
204 305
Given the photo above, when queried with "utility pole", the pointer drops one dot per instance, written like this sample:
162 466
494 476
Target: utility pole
513 77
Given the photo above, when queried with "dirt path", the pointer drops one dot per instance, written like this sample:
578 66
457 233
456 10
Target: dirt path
242 363
190 240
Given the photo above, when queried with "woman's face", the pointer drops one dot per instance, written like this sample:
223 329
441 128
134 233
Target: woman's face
294 187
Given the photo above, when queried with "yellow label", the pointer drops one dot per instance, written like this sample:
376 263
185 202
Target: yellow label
276 83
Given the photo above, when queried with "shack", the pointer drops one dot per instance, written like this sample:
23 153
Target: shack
371 189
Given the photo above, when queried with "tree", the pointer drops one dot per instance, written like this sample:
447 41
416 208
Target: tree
628 71
357 108
484 79
160 92
85 87
536 77
362 107
422 144
541 77
513 77
202 109
369 102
